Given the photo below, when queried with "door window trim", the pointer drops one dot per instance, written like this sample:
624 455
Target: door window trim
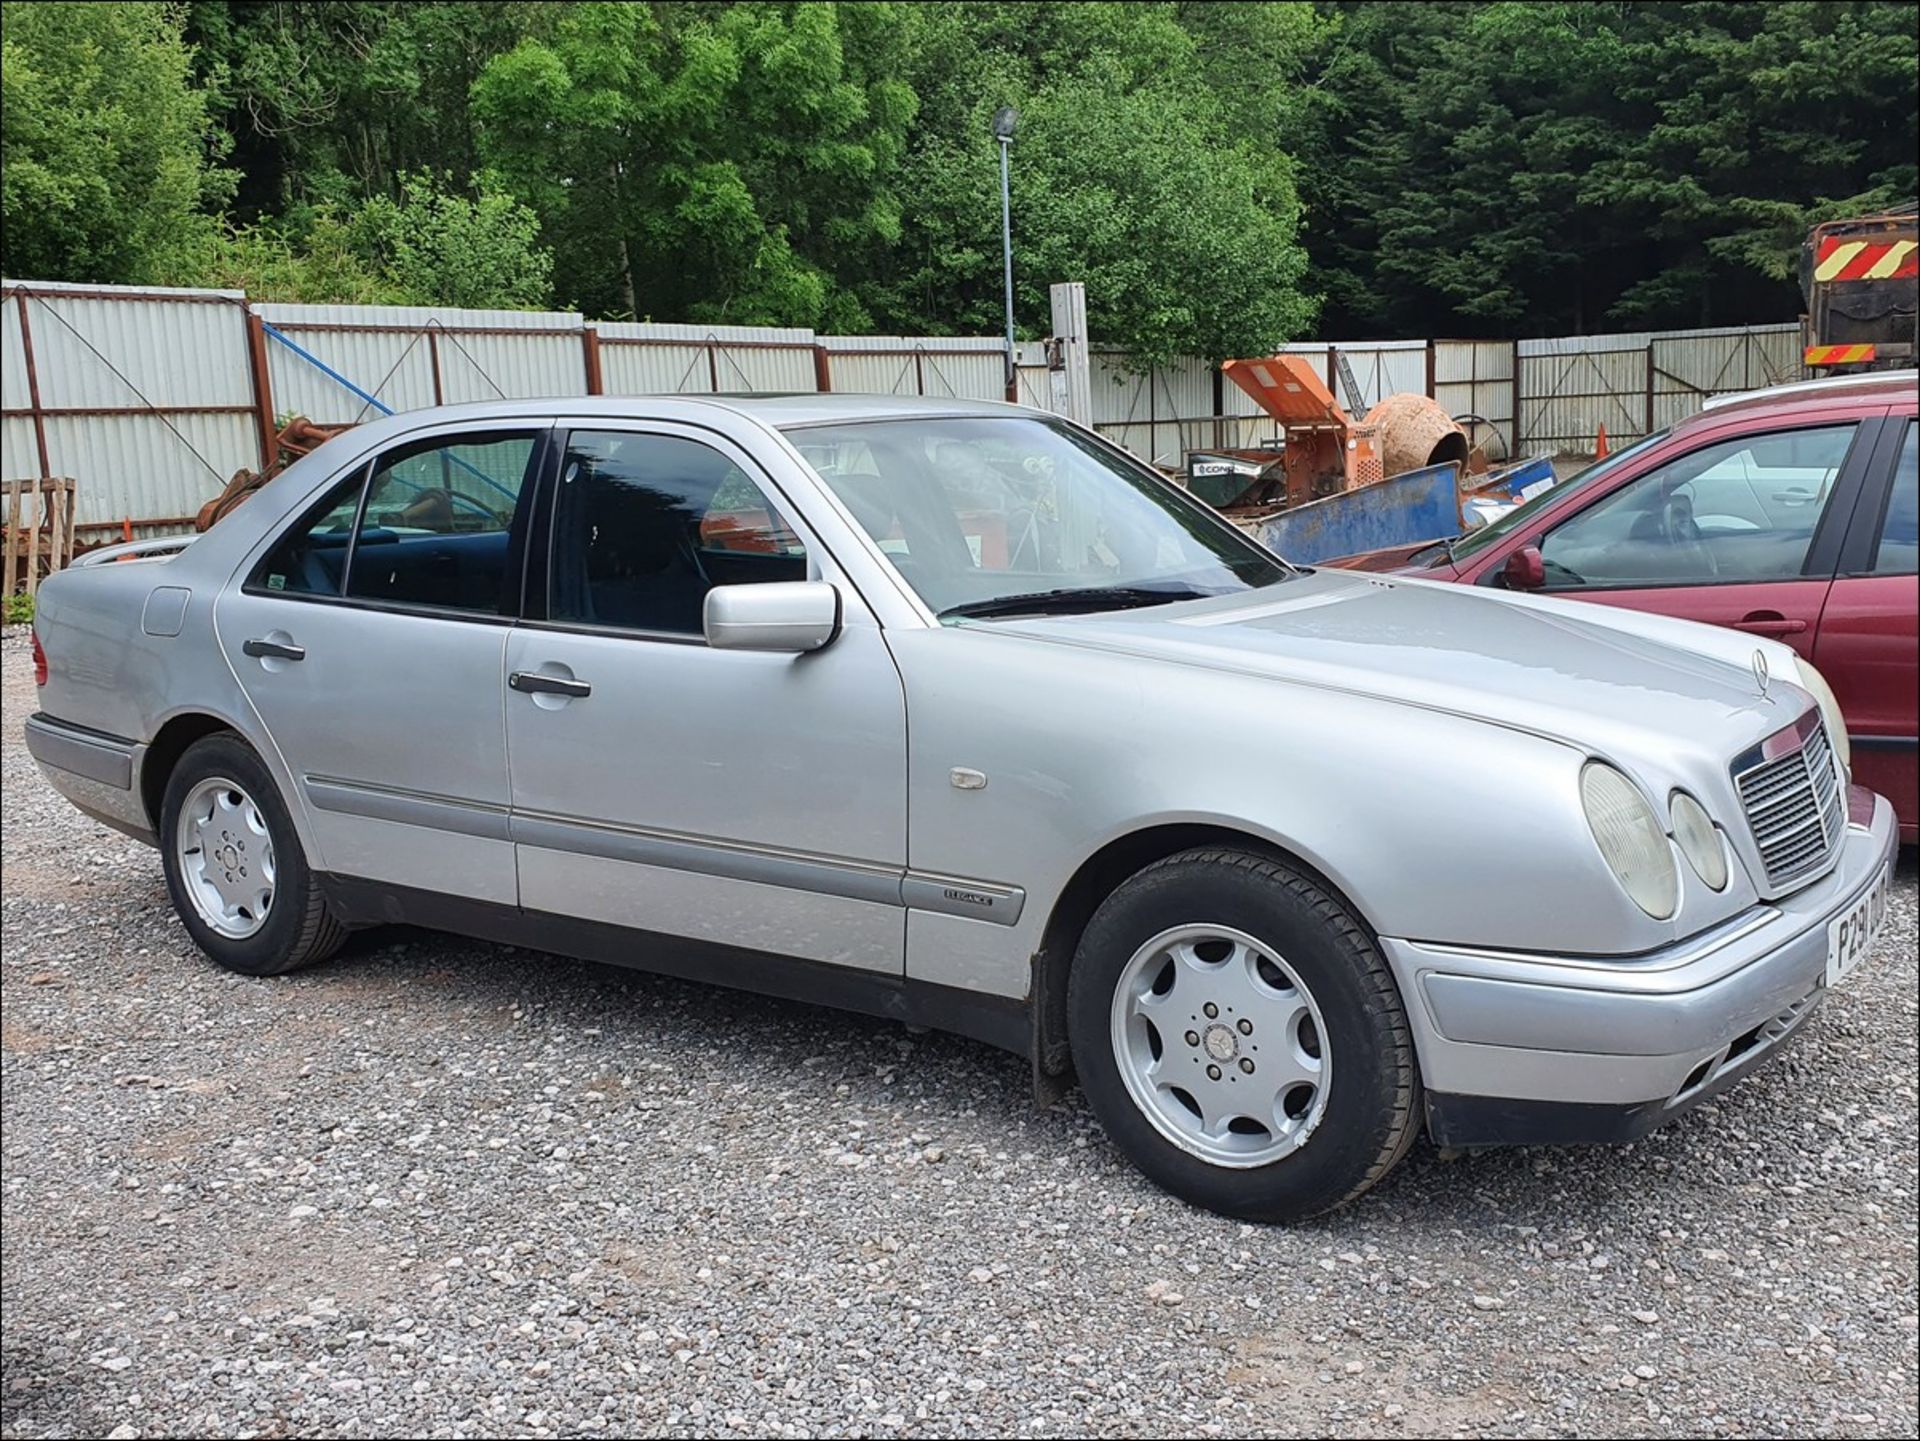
543 432
1823 550
537 603
1861 548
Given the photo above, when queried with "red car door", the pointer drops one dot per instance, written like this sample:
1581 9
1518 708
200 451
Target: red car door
1869 639
1741 530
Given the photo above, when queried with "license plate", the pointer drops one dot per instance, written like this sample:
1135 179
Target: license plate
1850 937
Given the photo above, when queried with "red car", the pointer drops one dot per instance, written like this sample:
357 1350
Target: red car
1790 513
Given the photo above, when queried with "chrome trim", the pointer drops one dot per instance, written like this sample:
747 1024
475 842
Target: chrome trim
97 757
408 808
1791 797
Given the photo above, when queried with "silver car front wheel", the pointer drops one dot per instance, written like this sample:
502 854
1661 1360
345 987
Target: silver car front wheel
1240 1036
1221 1045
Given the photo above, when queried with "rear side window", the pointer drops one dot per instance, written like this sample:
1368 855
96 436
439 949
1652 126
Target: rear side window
440 524
311 559
646 525
1898 552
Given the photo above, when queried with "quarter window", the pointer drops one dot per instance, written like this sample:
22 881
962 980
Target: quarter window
1742 510
440 523
646 525
1898 551
311 559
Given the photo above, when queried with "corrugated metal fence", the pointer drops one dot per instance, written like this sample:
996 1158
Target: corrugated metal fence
151 399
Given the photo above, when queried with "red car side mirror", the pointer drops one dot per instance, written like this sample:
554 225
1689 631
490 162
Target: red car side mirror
1524 569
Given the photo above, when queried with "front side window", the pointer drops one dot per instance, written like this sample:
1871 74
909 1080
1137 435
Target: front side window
985 515
1898 551
440 520
645 525
1739 510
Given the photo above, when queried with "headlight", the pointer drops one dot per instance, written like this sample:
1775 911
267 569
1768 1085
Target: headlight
1699 841
1812 680
1630 837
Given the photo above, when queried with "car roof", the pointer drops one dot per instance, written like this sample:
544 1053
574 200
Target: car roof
1834 394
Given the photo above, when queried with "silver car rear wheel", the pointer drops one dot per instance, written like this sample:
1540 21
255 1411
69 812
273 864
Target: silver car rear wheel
224 853
1221 1045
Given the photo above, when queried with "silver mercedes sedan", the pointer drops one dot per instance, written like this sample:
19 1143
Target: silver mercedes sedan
958 714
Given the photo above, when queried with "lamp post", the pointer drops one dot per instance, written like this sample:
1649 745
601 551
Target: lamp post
1004 120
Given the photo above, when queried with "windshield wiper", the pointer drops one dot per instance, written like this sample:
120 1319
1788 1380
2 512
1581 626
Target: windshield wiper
1093 597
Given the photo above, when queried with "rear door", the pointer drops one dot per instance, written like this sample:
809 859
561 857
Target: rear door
1869 643
370 638
1741 531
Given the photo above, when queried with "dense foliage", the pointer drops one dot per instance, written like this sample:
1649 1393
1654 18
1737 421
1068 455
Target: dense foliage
1223 177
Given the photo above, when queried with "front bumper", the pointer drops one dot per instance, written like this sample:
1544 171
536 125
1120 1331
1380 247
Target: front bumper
1525 1049
98 773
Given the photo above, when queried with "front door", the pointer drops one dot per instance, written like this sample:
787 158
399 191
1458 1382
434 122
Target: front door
753 800
1724 534
371 639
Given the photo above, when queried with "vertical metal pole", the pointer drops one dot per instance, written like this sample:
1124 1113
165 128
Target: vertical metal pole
262 376
1006 251
33 381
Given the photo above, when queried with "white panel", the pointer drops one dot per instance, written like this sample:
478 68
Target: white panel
19 451
394 367
511 367
143 467
689 359
15 394
1571 386
137 351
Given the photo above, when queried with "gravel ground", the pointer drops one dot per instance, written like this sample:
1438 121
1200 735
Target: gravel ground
443 1188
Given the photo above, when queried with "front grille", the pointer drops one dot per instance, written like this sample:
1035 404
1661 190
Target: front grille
1794 807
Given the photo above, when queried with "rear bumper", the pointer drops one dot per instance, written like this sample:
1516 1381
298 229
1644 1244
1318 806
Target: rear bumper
98 773
1523 1049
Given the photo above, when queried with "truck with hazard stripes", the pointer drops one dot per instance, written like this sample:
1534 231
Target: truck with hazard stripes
1860 278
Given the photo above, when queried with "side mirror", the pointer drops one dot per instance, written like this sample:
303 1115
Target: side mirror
788 616
1524 569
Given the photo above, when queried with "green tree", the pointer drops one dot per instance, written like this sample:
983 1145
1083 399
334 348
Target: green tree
107 148
713 165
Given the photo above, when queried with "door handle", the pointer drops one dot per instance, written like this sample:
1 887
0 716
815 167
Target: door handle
532 682
279 650
1769 622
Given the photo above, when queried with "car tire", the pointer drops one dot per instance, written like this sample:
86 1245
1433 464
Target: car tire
235 869
1203 969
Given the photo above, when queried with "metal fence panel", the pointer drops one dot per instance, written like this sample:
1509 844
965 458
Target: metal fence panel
1690 365
145 395
645 358
958 367
1475 377
1573 385
410 357
142 467
1382 368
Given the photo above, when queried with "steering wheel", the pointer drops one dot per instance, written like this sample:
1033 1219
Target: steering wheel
1684 534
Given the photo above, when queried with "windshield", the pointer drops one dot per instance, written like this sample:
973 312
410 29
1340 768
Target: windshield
1476 541
983 514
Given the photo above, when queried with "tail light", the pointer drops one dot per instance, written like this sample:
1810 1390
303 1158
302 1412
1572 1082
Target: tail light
39 660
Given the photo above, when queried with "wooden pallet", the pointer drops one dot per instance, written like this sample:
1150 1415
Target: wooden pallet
38 539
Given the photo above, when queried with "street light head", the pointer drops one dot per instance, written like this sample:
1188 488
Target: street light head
1004 120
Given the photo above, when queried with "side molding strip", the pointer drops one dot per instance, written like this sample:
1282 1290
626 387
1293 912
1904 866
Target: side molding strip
821 875
409 808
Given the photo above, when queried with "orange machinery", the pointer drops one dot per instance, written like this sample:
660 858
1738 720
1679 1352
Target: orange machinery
1327 450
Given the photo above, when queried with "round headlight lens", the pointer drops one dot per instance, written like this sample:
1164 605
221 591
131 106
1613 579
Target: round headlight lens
1813 681
1699 842
1631 839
